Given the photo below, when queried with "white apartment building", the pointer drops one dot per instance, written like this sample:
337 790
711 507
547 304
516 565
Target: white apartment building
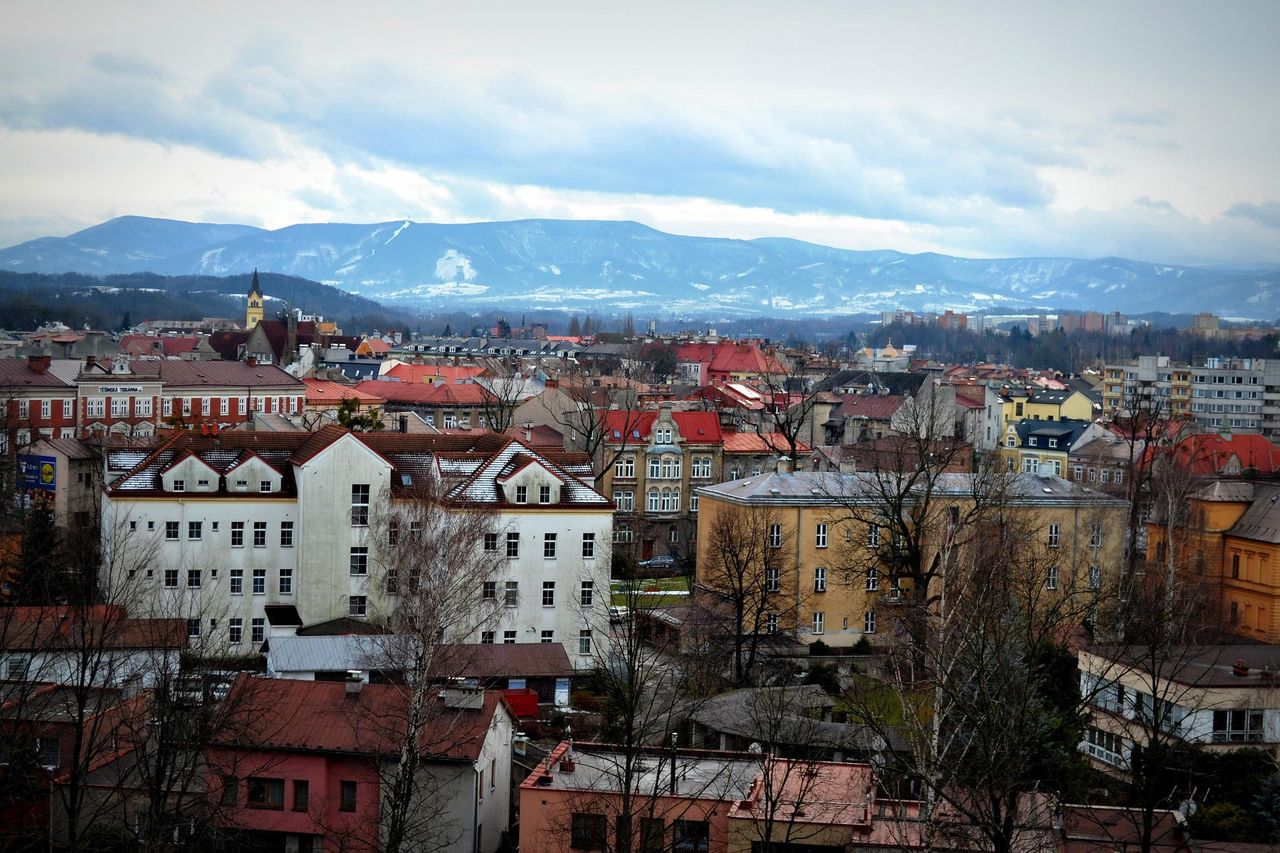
234 531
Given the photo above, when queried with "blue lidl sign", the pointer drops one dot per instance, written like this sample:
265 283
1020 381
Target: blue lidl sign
38 472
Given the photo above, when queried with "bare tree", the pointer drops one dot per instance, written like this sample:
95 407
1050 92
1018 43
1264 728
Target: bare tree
746 559
504 395
793 392
433 565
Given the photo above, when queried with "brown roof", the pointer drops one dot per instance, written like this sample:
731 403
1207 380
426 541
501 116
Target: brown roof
876 407
494 660
104 626
18 373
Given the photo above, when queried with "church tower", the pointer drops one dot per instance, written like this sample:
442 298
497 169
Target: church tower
253 313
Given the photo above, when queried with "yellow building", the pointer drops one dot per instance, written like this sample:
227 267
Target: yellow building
1033 446
253 312
820 564
1232 540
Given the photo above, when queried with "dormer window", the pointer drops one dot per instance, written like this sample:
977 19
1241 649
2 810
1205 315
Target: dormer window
264 485
522 494
1031 442
242 484
1053 442
203 484
179 485
664 435
544 494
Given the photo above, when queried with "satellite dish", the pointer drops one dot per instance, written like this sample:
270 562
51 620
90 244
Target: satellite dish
755 748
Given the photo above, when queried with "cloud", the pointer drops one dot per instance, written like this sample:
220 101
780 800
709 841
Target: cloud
1154 204
1267 213
512 129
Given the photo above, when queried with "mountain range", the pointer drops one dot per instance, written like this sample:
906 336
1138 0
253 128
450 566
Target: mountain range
624 266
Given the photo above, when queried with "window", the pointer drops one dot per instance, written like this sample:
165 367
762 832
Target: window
772 579
1105 746
548 546
359 561
346 796
588 546
1051 578
775 535
489 590
771 623
820 579
1095 535
1238 726
357 605
869 622
68 409
693 502
257 629
359 504
1235 566
548 593
663 435
1032 441
873 579
820 537
655 468
235 630
624 500
15 668
544 494
193 578
286 581
873 536
1095 577
1077 473
522 494
193 628
491 542
508 638
171 578
237 581
266 793
513 545
653 500
625 467
1119 477
587 831
259 534
587 593
511 593
96 407
548 637
301 788
819 621
194 530
171 531
179 485
237 534
48 753
584 641
623 533
259 581
486 638
286 534
1054 535
693 836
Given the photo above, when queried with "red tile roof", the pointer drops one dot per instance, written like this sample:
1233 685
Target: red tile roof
750 442
876 407
430 373
1206 455
694 427
463 394
320 716
322 391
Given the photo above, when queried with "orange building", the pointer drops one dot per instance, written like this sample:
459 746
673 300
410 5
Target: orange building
1232 539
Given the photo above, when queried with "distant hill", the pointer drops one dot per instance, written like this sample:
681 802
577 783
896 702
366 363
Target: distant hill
28 299
612 266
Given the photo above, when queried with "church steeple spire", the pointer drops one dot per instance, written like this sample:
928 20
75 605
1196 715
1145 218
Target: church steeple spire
253 311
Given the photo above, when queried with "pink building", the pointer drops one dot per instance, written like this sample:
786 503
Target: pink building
302 765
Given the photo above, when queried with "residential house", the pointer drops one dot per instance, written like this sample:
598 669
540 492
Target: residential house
37 400
1032 446
1104 462
70 472
1222 697
447 406
312 774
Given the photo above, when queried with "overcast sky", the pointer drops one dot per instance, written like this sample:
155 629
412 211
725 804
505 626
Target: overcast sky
1149 130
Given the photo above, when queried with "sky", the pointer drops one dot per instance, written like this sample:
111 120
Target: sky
984 129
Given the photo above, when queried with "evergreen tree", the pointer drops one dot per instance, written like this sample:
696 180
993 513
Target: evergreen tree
575 328
36 582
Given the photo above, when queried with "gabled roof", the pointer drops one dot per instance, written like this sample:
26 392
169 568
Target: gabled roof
432 373
323 391
483 487
421 394
1261 521
183 457
1210 454
319 716
876 407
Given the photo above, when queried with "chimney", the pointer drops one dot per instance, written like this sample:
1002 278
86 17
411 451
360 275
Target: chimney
355 682
403 423
786 465
552 383
528 430
39 363
90 361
